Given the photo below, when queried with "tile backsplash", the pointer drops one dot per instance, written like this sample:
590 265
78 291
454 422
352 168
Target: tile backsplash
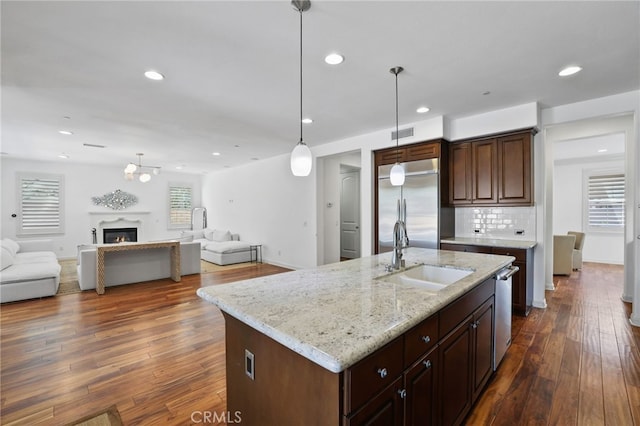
496 222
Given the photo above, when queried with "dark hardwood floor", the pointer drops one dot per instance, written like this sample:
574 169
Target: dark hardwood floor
156 351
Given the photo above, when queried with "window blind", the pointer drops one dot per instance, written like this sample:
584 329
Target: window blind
606 201
41 204
180 205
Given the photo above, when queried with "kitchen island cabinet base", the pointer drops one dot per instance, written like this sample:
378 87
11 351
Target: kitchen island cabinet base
286 388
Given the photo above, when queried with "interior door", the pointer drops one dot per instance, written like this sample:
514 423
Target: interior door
350 215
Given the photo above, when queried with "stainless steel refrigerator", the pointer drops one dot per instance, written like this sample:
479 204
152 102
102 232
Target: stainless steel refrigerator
421 190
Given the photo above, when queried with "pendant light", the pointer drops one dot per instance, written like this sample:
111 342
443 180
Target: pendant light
301 159
397 171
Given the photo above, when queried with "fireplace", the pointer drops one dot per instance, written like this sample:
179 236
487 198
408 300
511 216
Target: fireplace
119 235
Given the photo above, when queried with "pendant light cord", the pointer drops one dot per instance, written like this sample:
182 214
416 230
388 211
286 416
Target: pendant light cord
300 10
397 133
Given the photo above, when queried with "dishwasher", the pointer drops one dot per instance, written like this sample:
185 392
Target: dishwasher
502 335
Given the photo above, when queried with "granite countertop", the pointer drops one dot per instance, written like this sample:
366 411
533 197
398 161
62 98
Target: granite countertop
491 242
337 314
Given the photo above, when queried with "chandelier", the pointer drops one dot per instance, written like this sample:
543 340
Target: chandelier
143 172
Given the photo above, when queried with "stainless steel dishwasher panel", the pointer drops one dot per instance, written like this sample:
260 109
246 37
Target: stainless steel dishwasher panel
502 335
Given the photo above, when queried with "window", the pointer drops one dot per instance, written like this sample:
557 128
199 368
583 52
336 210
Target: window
180 204
41 203
605 201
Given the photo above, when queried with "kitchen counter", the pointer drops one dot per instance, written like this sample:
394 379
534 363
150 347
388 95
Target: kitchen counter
491 242
337 314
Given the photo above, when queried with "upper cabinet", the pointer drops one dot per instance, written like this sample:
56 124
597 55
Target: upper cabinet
491 171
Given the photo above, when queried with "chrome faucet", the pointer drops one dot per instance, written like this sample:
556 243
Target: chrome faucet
400 237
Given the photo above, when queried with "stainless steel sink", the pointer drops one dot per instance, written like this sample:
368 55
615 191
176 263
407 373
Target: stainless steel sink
429 277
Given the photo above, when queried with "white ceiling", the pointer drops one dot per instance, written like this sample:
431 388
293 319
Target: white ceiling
231 71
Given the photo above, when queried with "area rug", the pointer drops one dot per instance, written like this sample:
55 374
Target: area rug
108 417
68 278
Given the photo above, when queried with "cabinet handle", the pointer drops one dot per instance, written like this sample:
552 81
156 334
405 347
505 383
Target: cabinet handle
426 339
427 363
402 393
382 372
474 325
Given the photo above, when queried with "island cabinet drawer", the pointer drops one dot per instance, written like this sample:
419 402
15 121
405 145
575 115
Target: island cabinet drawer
455 312
519 254
372 374
420 339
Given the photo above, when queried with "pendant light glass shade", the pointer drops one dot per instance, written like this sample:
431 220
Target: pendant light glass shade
396 176
301 160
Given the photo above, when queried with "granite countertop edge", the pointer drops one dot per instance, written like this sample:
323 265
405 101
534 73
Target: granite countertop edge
491 242
342 351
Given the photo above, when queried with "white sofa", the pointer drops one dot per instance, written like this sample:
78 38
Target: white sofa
220 247
30 269
134 266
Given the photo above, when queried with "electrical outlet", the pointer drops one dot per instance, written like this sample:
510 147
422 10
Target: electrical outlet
519 232
249 364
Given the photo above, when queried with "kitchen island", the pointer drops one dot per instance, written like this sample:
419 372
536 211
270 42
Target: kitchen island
323 345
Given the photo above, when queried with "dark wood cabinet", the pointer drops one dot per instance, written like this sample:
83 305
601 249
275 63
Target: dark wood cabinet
466 351
385 409
484 173
447 363
413 152
491 171
421 385
522 281
456 352
483 329
460 179
514 169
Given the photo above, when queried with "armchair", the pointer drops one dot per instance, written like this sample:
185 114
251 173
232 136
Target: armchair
577 249
563 254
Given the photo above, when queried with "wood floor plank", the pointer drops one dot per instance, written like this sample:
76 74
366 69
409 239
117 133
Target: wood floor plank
156 351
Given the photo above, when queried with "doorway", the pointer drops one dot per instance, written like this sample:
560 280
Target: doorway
349 213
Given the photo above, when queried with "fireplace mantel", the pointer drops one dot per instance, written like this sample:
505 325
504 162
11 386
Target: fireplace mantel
122 213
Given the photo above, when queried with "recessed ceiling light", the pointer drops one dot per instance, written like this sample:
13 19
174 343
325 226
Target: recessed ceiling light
307 120
153 75
569 71
215 154
63 156
603 150
179 167
65 132
334 59
422 110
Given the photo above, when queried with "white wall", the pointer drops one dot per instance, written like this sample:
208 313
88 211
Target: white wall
83 182
568 209
266 204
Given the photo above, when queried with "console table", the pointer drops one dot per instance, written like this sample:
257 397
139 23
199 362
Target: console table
101 249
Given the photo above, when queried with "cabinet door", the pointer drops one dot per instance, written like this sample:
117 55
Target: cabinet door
421 382
386 409
391 156
483 346
423 151
514 169
455 371
460 173
485 177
